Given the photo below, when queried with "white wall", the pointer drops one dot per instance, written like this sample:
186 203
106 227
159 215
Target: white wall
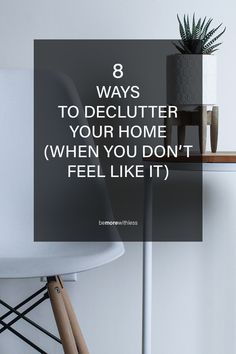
194 292
25 20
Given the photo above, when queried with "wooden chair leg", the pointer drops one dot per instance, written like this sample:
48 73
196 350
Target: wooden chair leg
61 316
79 339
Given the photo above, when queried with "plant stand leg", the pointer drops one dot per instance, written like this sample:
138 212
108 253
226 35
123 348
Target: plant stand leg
61 316
203 129
167 140
79 339
214 128
181 135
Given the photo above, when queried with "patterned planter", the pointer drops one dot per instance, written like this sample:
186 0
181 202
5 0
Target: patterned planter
191 79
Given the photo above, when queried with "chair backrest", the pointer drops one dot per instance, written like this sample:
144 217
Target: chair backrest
17 168
16 151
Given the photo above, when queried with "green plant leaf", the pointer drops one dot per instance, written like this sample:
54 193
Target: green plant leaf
181 50
203 23
205 28
187 46
210 34
211 48
187 27
193 25
207 45
181 29
197 30
196 38
210 51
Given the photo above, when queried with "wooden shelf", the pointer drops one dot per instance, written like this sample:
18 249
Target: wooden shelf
208 157
220 157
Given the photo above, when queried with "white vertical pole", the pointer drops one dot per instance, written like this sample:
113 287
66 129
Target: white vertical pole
147 267
147 298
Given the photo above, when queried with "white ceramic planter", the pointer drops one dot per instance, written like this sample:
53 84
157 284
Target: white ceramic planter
191 79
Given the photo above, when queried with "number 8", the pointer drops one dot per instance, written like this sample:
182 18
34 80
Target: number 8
118 71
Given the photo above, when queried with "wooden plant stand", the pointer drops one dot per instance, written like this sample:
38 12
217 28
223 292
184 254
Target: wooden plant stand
201 117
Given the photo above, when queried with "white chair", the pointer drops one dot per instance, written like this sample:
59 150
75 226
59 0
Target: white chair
20 256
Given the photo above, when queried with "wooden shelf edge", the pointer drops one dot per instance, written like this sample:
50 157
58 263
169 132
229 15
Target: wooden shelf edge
208 157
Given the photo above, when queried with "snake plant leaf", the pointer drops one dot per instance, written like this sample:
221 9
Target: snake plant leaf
181 50
205 29
193 24
181 29
211 49
187 27
210 34
185 47
197 37
214 50
215 39
203 23
197 30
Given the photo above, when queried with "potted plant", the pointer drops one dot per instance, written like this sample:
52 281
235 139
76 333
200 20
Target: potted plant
191 74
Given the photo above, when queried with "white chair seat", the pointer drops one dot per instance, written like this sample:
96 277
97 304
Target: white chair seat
51 259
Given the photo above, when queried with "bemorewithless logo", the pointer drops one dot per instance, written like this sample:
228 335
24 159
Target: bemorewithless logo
117 222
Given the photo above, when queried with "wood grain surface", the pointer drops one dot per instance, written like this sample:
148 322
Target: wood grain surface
208 157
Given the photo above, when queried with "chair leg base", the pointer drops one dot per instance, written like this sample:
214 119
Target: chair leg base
71 336
22 315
